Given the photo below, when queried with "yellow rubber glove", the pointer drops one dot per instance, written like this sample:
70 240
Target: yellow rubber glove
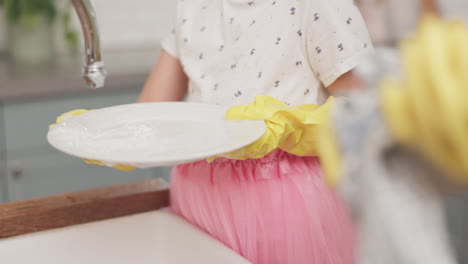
67 114
329 152
291 129
62 117
427 109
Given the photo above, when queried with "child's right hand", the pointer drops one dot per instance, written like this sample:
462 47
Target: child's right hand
66 115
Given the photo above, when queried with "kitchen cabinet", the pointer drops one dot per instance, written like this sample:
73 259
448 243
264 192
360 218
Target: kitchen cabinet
31 168
50 172
2 158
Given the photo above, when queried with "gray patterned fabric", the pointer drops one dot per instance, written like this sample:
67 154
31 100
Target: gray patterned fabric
394 196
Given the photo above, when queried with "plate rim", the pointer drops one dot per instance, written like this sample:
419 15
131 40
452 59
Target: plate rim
257 124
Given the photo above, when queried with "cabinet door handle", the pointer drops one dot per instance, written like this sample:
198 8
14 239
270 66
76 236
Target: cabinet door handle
17 171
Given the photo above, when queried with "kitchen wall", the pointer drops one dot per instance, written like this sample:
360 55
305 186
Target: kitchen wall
124 24
2 31
457 9
404 14
127 24
134 23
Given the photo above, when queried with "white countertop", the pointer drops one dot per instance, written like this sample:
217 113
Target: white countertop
154 237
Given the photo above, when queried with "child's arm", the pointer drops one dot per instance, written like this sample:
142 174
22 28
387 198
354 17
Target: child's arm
429 7
337 40
345 82
167 81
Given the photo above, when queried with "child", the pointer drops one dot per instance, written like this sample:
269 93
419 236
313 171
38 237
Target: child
275 210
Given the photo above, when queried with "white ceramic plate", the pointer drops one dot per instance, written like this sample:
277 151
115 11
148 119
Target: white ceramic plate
153 134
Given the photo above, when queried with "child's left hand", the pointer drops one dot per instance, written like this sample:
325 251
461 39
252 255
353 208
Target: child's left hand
291 129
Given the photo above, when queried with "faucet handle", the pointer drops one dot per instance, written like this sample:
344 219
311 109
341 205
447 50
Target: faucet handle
95 74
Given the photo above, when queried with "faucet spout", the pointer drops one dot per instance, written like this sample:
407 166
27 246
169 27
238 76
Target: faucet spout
94 72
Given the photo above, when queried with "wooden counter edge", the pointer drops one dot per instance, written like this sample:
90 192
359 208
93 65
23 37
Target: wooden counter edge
23 217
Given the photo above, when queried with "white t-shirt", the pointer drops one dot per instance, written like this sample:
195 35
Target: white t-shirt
233 50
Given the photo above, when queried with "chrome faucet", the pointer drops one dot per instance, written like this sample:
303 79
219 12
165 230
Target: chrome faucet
94 72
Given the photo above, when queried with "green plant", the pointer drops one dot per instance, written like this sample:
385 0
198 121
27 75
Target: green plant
28 12
70 34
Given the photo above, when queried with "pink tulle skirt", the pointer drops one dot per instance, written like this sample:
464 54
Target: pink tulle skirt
276 210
